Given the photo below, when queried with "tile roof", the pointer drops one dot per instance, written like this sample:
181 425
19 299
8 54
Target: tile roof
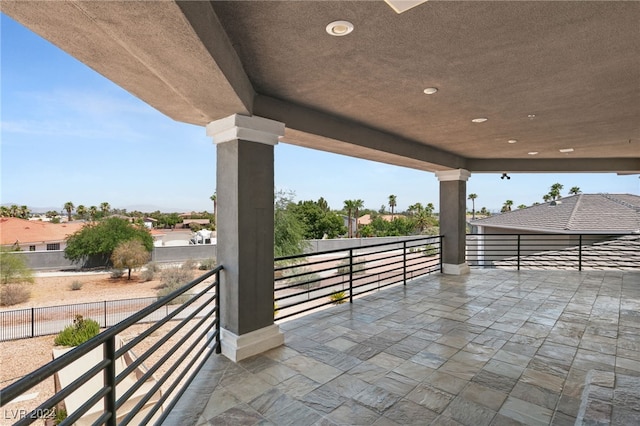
14 230
583 213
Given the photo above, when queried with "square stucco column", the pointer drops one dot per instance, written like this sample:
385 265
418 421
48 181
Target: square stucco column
453 220
244 175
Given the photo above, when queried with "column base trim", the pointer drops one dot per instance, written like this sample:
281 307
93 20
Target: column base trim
237 348
451 269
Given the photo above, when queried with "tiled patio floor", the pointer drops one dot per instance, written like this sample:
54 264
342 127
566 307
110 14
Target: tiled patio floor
490 348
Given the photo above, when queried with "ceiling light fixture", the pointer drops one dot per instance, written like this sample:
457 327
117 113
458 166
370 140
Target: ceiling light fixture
403 5
566 150
512 141
339 28
430 90
533 153
479 120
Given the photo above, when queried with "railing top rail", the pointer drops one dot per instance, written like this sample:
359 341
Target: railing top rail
16 389
560 234
410 240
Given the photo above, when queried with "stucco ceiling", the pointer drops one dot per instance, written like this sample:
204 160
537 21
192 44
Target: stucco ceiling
575 66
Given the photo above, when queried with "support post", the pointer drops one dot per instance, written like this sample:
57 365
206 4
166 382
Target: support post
453 221
244 180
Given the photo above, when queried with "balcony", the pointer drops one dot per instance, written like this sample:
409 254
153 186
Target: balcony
496 346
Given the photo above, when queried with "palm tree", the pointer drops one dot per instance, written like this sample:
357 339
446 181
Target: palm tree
349 207
484 211
93 212
81 210
392 203
357 205
68 207
214 198
574 190
507 206
546 198
555 191
104 208
24 212
473 197
4 211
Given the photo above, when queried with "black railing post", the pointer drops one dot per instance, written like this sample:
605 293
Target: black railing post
105 314
218 316
580 252
518 252
33 323
440 242
350 275
110 380
404 262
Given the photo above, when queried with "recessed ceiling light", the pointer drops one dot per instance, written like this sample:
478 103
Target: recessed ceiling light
512 140
339 28
533 153
565 150
531 116
479 120
430 90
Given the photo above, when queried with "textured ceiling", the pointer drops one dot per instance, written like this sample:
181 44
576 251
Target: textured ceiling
574 65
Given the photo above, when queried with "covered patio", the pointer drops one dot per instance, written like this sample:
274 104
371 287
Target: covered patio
492 347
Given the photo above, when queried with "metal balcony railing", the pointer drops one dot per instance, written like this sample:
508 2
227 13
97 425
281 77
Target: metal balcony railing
307 282
554 251
112 383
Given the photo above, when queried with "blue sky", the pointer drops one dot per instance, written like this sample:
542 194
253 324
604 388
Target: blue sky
69 134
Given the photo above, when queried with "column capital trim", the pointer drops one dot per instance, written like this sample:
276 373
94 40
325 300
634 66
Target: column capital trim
253 129
451 175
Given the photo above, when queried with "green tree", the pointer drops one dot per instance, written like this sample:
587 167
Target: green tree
14 269
522 206
288 230
97 241
473 197
24 212
392 203
349 207
81 211
93 212
318 222
68 207
322 203
554 191
357 205
484 211
129 255
574 190
4 211
546 198
105 208
506 207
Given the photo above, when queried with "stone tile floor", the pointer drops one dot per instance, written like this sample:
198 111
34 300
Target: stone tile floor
490 348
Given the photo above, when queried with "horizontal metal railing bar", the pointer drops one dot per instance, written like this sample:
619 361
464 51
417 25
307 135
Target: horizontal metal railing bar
165 377
16 389
354 248
130 369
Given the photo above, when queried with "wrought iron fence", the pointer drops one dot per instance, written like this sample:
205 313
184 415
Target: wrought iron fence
308 282
109 383
42 321
554 251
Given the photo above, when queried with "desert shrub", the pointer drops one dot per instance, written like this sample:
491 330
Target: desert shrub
189 265
153 266
175 277
338 298
61 414
429 250
276 309
117 273
149 272
168 289
14 269
76 285
130 255
172 279
12 294
79 332
302 279
207 264
358 268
